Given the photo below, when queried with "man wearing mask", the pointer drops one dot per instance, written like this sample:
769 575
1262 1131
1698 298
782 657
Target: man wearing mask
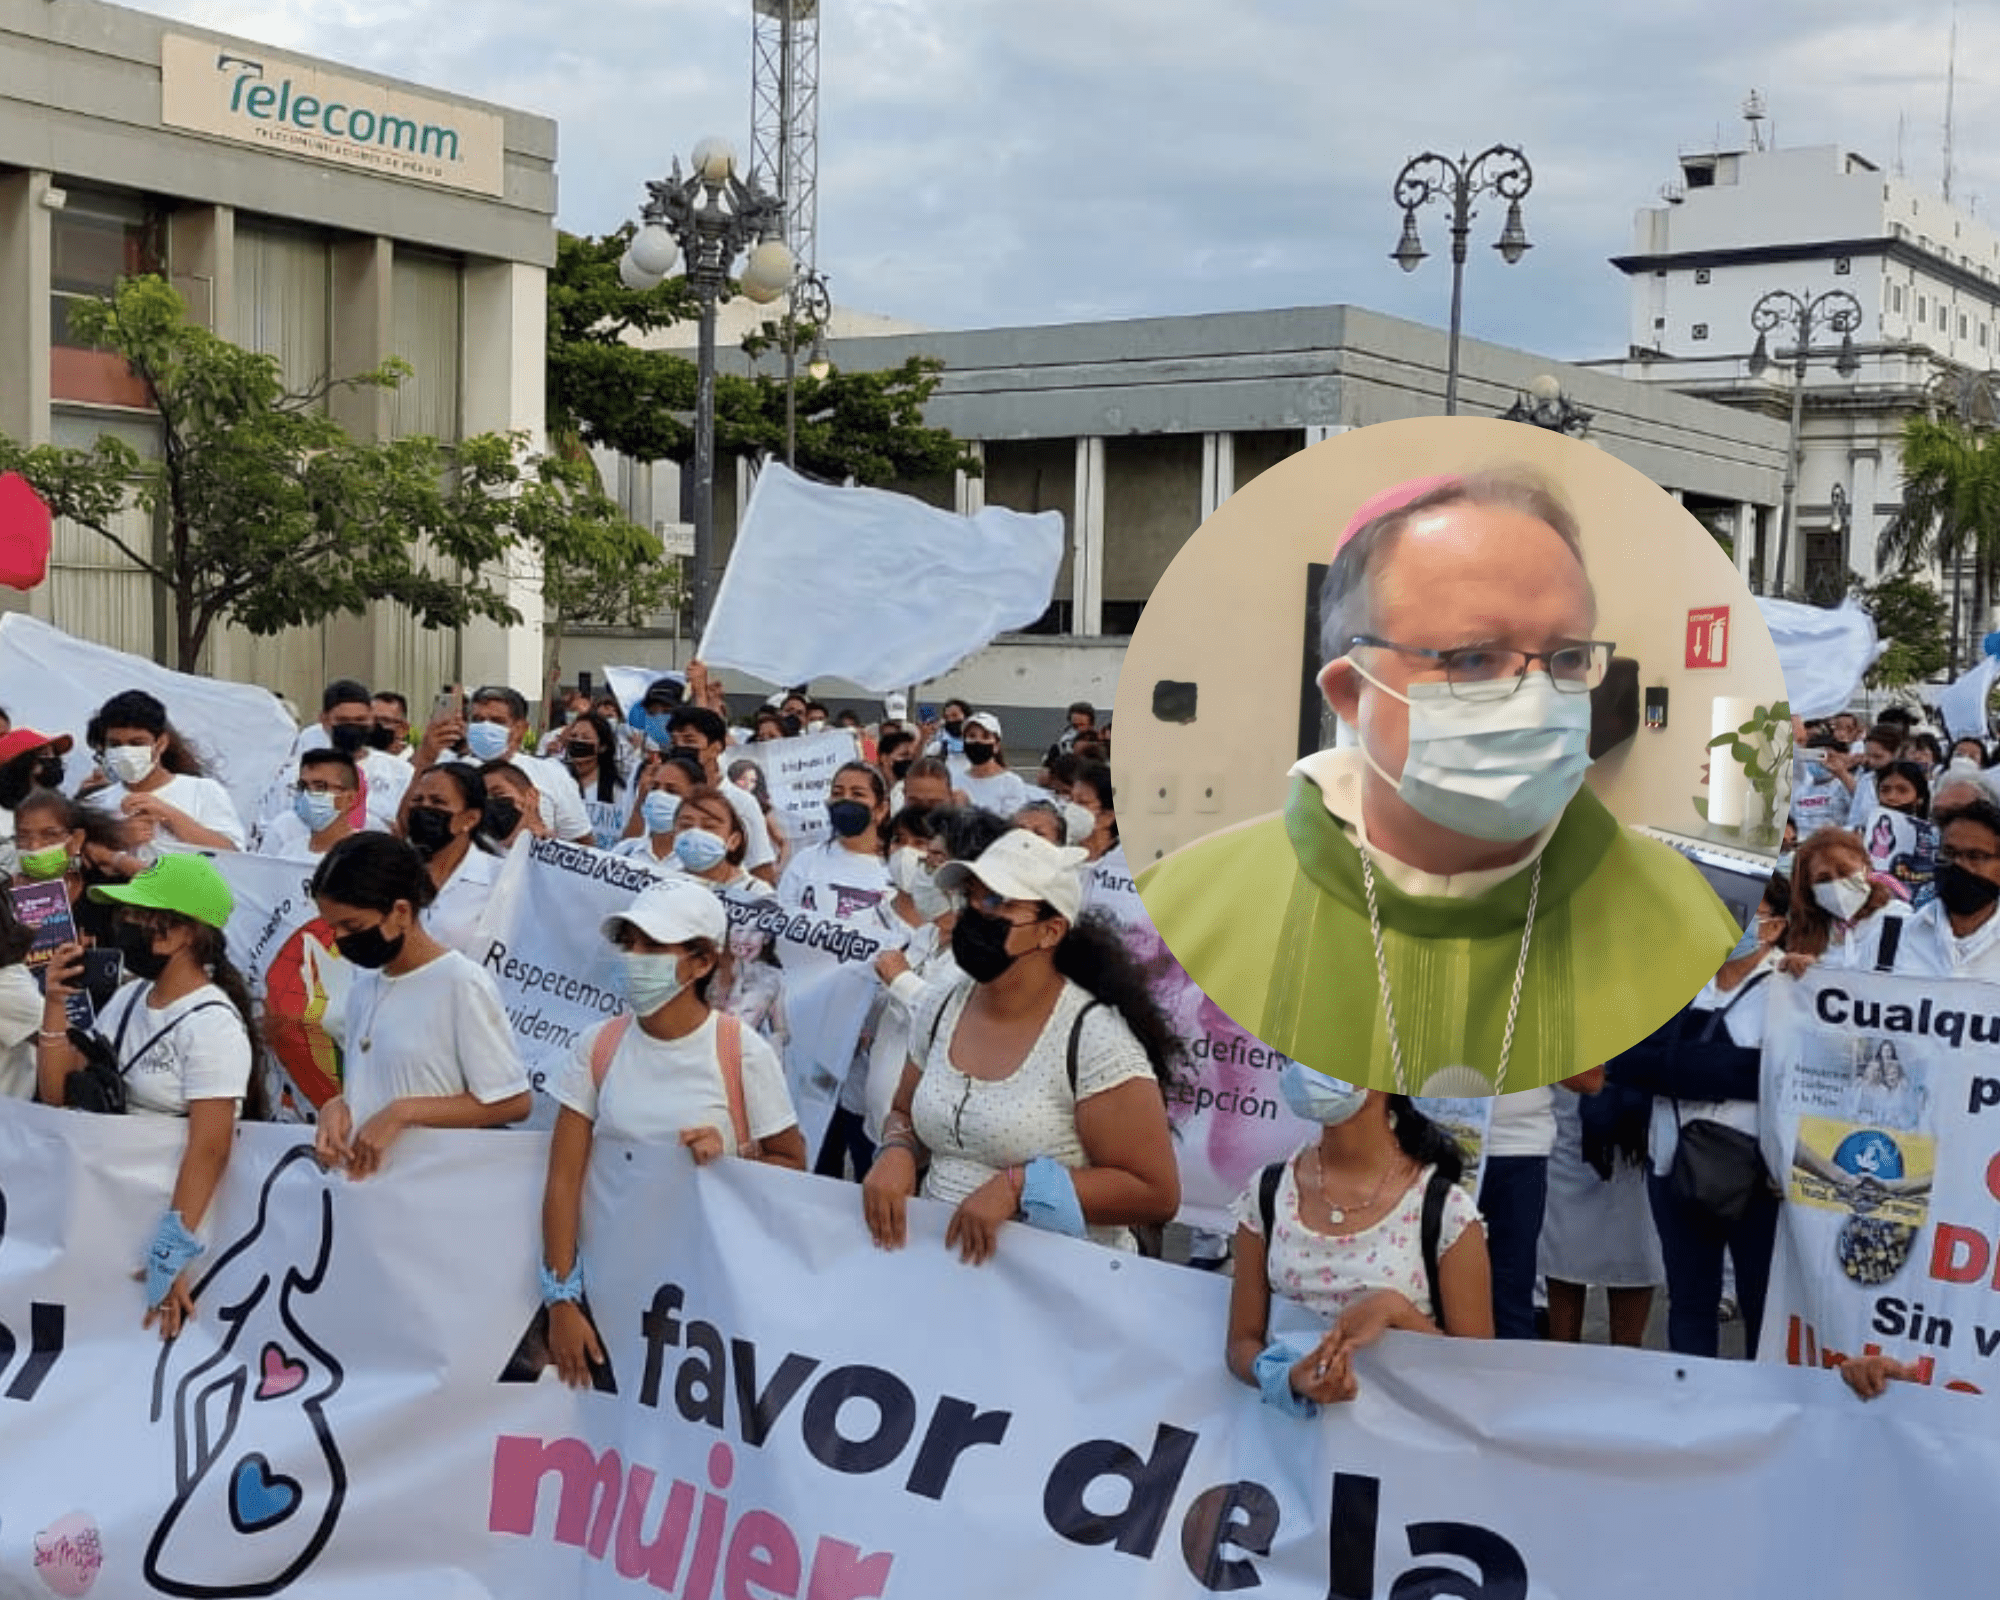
28 761
391 733
704 735
986 780
323 807
1457 634
347 724
495 723
950 740
1957 934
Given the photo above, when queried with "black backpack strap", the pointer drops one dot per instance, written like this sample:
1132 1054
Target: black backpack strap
1267 1200
126 1063
937 1022
1715 1017
1886 946
1431 1231
1075 1041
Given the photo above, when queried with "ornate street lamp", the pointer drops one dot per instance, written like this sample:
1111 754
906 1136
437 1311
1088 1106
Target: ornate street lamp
1500 170
1544 405
1835 311
712 216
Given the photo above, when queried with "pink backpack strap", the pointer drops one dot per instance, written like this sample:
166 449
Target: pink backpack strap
729 1052
605 1046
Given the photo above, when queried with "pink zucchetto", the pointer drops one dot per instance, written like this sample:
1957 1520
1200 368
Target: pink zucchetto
1393 498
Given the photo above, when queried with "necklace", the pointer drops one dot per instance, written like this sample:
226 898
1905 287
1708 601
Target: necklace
1338 1214
1382 978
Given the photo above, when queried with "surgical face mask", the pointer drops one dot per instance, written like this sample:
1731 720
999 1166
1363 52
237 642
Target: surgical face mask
487 740
658 810
1963 892
1749 944
1784 867
42 865
1315 1097
350 738
370 948
130 763
428 829
978 753
979 945
1841 898
501 817
1499 770
699 850
816 725
849 818
315 810
651 981
906 867
1817 772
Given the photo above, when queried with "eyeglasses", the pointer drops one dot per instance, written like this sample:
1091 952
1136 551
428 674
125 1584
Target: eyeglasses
1976 860
1491 672
992 905
311 787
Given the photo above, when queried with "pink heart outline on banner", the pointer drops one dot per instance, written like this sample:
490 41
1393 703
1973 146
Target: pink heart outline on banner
281 1374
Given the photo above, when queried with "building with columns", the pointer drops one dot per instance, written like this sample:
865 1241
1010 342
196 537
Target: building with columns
1738 223
328 216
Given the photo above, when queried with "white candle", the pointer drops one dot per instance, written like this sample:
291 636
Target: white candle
1728 784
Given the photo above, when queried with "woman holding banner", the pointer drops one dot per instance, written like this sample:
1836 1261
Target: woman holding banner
709 843
424 1037
1837 902
671 1068
1035 1089
1366 1228
916 854
441 820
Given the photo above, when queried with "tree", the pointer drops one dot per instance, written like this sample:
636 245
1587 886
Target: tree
1911 616
1951 508
270 514
608 392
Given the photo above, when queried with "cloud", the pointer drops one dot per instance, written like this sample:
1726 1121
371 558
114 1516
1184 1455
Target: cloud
993 162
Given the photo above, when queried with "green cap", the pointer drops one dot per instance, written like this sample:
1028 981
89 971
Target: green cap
186 884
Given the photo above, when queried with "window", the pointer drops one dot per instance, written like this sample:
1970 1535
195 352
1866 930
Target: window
1896 297
1982 336
1701 330
1961 324
1842 266
1943 313
1923 309
1701 274
1659 324
95 240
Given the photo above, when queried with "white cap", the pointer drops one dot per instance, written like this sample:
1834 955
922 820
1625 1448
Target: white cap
895 706
1020 865
674 911
986 720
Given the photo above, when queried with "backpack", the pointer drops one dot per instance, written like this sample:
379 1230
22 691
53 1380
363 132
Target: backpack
1428 1234
728 1049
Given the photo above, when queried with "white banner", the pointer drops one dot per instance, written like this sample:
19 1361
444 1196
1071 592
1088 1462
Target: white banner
787 614
797 774
55 684
1882 1114
361 1407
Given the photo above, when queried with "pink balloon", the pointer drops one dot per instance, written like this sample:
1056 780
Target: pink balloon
25 527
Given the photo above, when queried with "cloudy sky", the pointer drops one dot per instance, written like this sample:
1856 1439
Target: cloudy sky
999 162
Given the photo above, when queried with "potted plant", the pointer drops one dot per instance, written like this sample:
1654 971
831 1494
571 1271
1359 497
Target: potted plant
1762 747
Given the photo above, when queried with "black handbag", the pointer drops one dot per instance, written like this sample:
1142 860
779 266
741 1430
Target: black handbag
97 1085
1717 1170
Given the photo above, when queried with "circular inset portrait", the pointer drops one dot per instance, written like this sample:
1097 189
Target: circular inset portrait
1418 734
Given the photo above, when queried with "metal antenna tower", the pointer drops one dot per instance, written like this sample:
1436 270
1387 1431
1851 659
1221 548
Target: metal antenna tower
784 111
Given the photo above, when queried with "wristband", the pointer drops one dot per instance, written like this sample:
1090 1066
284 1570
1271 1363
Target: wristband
556 1290
173 1247
1273 1371
1048 1198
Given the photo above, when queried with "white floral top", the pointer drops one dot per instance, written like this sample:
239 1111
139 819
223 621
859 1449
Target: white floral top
1328 1272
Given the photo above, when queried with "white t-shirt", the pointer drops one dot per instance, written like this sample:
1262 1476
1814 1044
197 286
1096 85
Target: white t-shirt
453 917
195 1049
654 1088
975 1128
564 811
1524 1123
203 799
440 1030
287 838
1743 1023
830 880
1004 793
386 776
20 1018
607 817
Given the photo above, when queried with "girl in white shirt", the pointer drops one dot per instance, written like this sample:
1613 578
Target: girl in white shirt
669 1069
845 875
442 819
180 1037
424 1037
710 844
157 783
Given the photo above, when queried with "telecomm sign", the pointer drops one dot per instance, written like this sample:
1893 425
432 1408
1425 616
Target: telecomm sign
254 97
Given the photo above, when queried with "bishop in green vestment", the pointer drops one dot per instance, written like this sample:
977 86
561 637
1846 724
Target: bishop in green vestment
1448 894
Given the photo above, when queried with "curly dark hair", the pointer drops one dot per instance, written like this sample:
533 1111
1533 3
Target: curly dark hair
1093 956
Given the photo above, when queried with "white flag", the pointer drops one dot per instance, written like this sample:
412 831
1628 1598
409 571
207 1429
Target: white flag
1824 652
873 587
1963 705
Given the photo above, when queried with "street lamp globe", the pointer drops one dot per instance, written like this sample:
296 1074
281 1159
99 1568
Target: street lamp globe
768 271
714 160
1409 252
636 277
1513 242
1760 358
653 251
1546 387
820 367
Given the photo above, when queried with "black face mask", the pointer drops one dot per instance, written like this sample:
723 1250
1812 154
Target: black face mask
135 944
953 728
370 948
979 754
428 830
1964 892
899 770
979 945
49 772
16 779
850 818
502 818
381 738
349 738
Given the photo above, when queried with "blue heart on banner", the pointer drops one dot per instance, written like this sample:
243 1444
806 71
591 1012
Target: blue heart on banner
260 1498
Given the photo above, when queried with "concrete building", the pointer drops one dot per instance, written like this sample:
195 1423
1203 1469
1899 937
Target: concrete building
1740 222
328 216
1135 431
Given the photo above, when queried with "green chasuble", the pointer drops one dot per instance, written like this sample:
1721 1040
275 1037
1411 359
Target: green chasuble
1270 919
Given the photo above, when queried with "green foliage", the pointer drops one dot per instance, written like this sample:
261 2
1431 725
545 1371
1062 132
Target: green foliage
1951 503
1914 620
1762 747
611 393
269 514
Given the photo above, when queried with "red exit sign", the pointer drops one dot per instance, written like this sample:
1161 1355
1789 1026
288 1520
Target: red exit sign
1708 637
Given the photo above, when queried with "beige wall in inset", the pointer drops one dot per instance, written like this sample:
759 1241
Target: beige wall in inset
1229 616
